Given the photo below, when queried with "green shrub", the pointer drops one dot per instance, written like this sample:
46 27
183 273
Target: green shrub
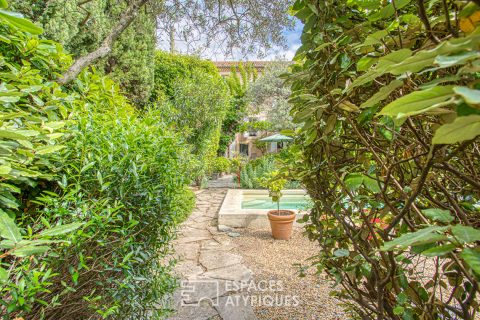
183 204
82 159
195 106
169 68
222 165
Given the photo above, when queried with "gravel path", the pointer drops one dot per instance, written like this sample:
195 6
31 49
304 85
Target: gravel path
278 261
244 274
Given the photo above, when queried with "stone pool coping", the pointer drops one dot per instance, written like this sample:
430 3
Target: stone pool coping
232 215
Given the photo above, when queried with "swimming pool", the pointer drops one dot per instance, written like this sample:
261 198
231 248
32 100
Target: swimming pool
248 208
265 202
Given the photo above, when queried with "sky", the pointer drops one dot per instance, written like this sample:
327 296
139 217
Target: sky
292 42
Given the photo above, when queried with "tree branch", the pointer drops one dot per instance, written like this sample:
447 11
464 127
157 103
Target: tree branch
423 16
106 47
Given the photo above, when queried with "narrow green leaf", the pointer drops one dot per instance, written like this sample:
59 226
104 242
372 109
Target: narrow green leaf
20 23
8 228
418 102
424 236
11 134
382 94
48 149
9 99
438 215
59 230
28 251
439 251
462 129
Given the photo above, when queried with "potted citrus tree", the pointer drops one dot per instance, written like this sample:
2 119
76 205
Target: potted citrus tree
281 221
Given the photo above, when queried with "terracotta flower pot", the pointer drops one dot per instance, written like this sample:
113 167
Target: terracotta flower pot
281 223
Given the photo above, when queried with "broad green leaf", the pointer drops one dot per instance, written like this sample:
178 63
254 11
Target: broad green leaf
384 63
424 236
3 276
393 58
31 250
341 253
418 102
439 251
367 4
3 4
472 258
19 22
466 234
371 184
26 172
438 215
8 228
375 38
382 94
398 310
5 169
348 106
414 63
11 134
62 229
471 96
48 149
10 187
354 180
9 99
458 59
365 62
7 244
426 58
9 201
463 128
464 110
388 10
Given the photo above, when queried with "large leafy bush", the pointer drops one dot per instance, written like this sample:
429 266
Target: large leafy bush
388 96
91 190
194 104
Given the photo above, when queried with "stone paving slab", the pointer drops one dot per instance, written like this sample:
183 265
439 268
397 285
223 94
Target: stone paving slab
234 307
210 275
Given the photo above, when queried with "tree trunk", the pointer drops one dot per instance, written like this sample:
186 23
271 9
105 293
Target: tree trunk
106 47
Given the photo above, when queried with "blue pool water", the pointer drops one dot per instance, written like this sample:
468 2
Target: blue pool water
286 202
